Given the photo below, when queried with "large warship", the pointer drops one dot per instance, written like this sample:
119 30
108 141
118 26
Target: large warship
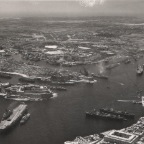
12 117
29 92
115 112
106 116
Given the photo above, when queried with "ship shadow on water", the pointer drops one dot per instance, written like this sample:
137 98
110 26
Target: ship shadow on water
9 131
103 121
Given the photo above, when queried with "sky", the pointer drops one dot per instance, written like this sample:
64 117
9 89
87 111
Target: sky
70 8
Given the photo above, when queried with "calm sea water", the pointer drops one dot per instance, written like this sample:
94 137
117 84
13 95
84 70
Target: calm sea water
63 118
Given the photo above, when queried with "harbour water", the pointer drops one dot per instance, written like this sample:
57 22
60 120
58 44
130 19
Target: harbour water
63 118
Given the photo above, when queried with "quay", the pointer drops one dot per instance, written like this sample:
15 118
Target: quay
130 135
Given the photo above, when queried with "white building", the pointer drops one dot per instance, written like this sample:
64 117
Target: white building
120 137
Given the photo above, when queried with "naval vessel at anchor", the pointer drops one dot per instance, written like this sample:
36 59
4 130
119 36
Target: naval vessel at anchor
15 116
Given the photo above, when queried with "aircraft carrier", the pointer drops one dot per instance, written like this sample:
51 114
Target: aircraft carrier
16 115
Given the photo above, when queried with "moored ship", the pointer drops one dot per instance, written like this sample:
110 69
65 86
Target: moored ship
27 79
64 83
5 75
105 116
101 76
27 93
16 115
127 61
25 118
58 88
5 85
23 98
115 112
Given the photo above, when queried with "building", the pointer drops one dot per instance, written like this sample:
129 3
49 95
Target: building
120 137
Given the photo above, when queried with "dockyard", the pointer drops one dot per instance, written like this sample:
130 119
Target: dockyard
79 82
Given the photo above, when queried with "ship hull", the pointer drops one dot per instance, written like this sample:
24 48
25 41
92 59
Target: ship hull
120 113
103 117
14 118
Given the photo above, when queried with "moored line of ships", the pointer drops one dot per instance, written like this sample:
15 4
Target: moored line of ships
27 92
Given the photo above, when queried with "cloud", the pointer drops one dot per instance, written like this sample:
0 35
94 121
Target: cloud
91 3
71 7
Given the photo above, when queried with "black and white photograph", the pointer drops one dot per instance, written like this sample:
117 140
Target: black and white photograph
71 71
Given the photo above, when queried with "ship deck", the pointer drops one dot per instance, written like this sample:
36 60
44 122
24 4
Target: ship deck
17 113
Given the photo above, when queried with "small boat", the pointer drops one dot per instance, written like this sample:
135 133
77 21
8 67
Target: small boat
101 76
139 70
92 82
25 118
127 61
59 88
3 94
64 83
87 81
7 84
137 102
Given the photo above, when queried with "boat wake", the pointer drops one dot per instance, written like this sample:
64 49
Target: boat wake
125 100
54 95
122 84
